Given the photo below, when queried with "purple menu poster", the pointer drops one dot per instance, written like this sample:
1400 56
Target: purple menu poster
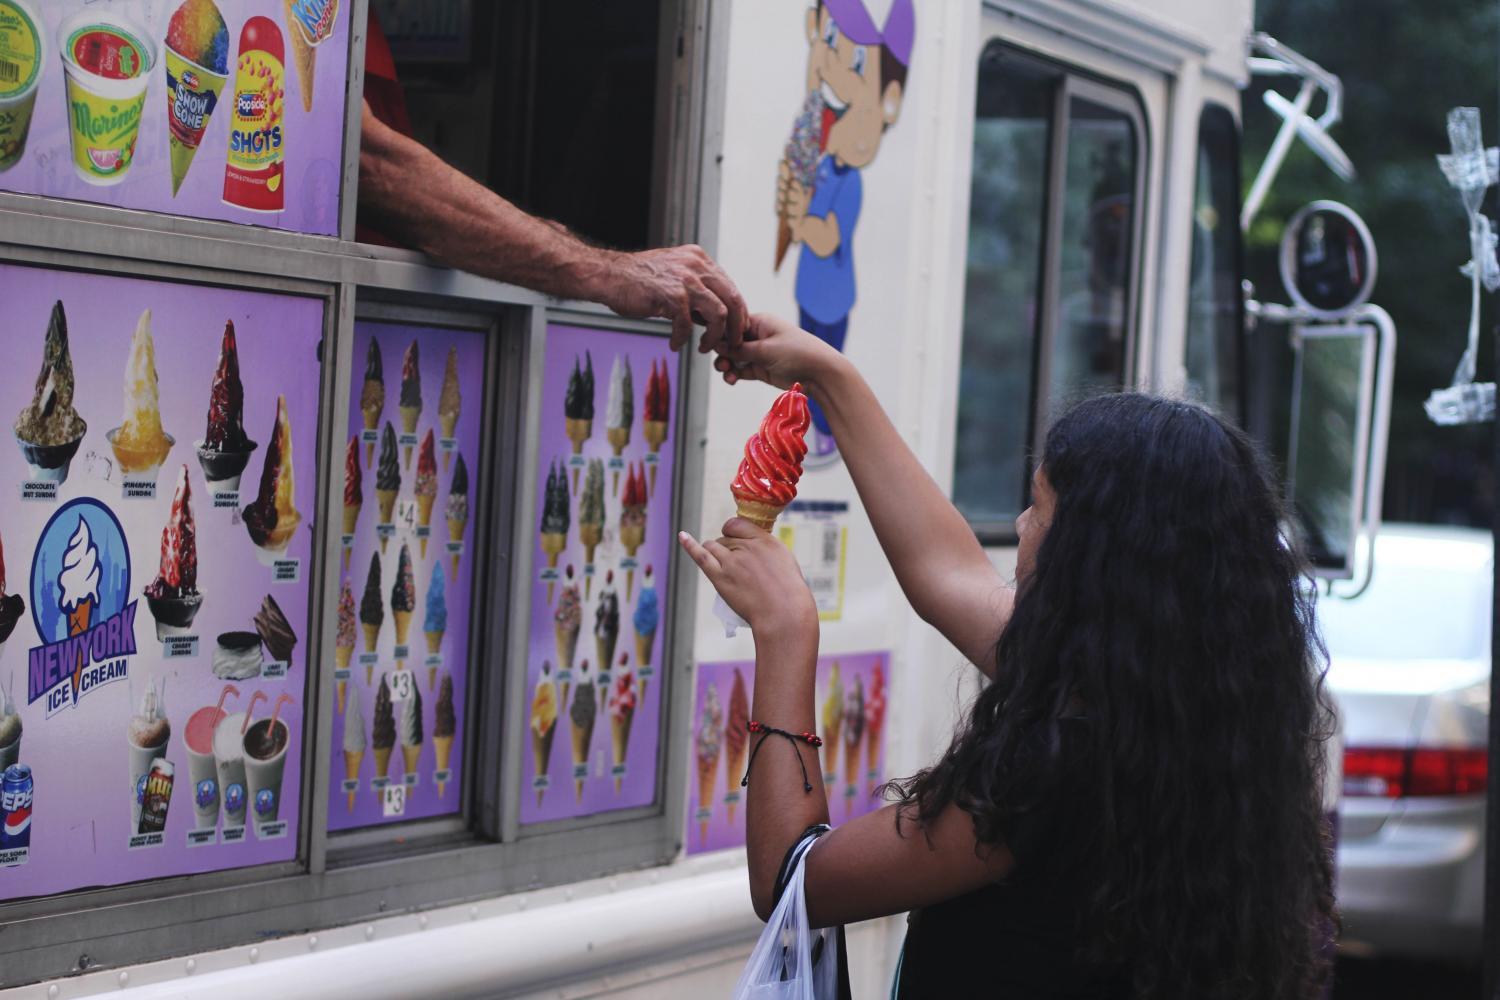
156 499
603 546
401 659
851 702
230 110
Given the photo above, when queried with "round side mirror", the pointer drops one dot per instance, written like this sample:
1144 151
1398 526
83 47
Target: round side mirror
1328 260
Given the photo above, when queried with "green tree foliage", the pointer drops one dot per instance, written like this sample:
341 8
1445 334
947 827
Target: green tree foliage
1403 65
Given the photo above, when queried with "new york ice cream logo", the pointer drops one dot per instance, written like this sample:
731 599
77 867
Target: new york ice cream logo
80 588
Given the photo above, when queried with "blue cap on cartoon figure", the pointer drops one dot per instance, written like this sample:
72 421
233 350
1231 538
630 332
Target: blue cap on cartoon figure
898 35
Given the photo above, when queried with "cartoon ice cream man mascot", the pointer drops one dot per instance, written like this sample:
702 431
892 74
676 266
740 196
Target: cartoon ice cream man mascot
856 80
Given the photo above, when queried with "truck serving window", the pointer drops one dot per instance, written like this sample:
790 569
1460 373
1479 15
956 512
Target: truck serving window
1215 344
1049 297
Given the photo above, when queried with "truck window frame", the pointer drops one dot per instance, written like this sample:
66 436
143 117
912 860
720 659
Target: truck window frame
1073 84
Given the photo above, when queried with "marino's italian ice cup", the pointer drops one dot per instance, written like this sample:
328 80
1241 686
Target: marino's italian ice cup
107 63
22 58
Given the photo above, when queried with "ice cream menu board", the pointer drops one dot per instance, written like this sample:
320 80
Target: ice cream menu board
401 658
603 548
213 109
155 502
851 702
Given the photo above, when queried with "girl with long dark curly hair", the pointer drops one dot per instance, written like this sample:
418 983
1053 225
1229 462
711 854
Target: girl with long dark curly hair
1132 807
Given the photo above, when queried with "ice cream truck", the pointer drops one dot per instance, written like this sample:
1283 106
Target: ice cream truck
346 647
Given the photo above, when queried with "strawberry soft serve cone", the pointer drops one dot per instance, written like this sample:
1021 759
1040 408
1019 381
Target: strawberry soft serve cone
767 478
658 412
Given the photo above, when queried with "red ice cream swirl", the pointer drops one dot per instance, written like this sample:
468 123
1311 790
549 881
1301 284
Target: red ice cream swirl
773 455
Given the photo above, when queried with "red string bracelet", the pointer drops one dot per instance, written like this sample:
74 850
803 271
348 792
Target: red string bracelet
811 739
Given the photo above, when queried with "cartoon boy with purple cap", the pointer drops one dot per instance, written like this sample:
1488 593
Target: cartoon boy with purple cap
856 76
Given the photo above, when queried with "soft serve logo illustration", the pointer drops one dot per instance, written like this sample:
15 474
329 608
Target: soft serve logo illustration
80 585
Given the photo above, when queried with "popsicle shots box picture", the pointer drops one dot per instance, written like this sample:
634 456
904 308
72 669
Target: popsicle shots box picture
121 627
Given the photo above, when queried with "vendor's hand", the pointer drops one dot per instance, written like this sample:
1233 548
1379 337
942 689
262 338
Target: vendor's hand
778 353
757 576
682 284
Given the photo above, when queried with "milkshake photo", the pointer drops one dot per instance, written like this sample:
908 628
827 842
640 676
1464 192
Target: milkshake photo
265 759
147 736
229 758
202 769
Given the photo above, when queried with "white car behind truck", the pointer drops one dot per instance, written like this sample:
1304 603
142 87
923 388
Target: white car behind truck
1409 670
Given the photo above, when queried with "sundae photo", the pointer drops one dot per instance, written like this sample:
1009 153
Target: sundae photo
444 723
371 611
275 631
658 412
435 618
403 600
354 744
450 403
556 518
619 412
11 609
543 726
343 643
383 734
225 449
272 518
173 596
425 488
578 407
49 430
387 479
354 495
411 394
140 445
457 510
372 394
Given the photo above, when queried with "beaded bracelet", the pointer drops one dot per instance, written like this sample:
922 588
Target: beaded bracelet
811 739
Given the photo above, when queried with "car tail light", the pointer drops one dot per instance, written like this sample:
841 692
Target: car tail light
1394 772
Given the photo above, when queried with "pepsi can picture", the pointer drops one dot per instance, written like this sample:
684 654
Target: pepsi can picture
16 793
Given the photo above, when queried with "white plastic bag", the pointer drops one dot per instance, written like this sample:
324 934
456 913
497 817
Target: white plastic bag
781 967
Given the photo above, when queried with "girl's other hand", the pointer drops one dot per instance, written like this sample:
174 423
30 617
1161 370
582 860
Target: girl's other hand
757 576
778 353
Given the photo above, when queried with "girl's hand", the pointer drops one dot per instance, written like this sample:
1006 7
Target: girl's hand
778 353
757 576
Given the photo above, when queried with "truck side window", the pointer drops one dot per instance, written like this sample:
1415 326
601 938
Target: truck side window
1049 301
1215 344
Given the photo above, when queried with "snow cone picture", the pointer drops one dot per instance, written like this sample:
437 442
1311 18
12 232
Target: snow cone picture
197 59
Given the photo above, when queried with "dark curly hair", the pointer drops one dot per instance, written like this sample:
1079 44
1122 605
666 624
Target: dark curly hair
1168 608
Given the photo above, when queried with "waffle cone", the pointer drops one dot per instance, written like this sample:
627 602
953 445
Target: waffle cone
643 644
708 770
424 510
352 760
304 56
372 636
442 747
434 641
342 655
403 626
619 437
605 649
432 678
541 751
830 736
567 645
762 515
783 241
351 517
619 739
851 772
872 753
410 755
383 761
448 422
342 691
582 736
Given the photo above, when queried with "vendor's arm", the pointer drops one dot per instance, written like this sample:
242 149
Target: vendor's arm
869 867
416 197
938 561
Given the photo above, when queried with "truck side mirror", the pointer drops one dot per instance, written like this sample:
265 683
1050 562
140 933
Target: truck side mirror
1343 376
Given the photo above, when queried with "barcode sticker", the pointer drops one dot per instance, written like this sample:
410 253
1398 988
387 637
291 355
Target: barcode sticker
9 72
